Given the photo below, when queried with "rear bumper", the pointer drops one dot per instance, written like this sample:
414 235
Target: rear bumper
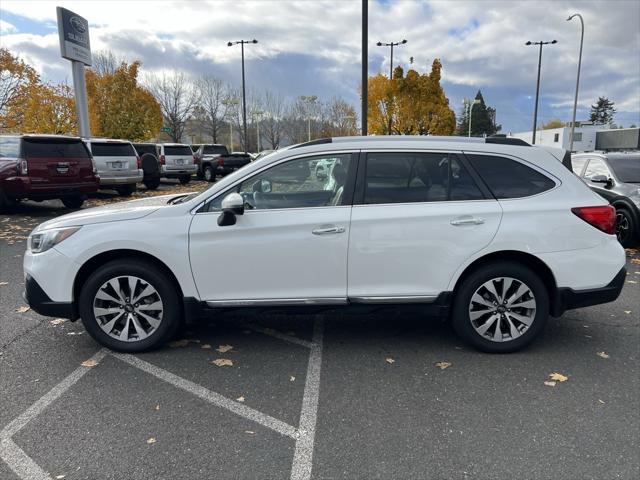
40 302
568 299
23 187
121 180
168 171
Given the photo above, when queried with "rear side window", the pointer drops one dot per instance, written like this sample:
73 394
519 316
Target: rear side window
507 178
9 147
417 177
54 148
177 150
215 149
112 150
142 149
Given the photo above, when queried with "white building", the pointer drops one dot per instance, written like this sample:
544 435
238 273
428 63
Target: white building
584 137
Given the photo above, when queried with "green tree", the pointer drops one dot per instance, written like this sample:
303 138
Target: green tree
482 118
602 112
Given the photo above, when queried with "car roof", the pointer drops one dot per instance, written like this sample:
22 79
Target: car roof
41 135
106 140
174 144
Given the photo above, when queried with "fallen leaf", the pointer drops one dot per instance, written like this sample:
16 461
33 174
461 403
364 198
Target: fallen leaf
240 399
222 362
151 441
631 281
23 309
631 251
550 384
292 378
89 363
206 346
74 333
2 284
224 348
603 354
179 343
57 321
443 365
389 360
157 407
291 333
636 261
59 477
601 401
250 432
246 332
558 377
627 312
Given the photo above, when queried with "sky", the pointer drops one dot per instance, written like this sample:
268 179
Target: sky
314 47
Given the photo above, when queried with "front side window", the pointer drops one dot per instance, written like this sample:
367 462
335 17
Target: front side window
627 167
508 178
295 184
417 177
595 167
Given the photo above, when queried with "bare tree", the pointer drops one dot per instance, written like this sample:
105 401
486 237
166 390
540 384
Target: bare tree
177 98
341 118
212 93
273 123
104 62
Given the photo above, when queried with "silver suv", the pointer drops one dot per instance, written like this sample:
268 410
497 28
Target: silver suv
117 163
177 161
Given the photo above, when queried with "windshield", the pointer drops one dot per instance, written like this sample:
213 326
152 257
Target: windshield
178 150
112 149
626 168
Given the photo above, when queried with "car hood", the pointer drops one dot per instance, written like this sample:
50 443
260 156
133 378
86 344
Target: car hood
109 213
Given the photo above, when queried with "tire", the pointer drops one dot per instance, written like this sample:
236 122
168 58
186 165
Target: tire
151 183
200 175
209 174
73 202
625 228
469 317
125 190
184 179
6 203
146 275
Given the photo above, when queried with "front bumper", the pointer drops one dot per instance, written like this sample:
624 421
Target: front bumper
568 298
40 302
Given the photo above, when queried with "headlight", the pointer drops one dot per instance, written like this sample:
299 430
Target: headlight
39 242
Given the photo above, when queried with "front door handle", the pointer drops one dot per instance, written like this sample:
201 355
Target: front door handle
467 221
328 230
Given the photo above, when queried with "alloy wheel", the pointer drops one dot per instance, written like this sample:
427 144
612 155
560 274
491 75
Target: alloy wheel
622 227
128 308
502 309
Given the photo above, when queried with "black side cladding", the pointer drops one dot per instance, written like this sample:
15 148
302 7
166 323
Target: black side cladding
566 160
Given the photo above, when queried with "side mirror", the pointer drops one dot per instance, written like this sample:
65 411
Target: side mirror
232 205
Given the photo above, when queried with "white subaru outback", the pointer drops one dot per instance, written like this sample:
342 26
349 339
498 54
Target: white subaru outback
492 233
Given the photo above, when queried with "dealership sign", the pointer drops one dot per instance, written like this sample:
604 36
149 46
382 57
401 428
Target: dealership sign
74 36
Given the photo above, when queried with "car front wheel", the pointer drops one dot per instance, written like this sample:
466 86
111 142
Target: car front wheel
500 307
209 174
130 305
184 179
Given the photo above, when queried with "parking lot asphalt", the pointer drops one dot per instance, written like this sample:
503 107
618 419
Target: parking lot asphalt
336 395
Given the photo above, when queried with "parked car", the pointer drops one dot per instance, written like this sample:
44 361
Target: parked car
616 177
118 164
207 157
150 163
495 237
44 167
177 161
231 162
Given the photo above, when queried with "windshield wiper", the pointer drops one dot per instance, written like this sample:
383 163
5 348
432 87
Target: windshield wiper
174 200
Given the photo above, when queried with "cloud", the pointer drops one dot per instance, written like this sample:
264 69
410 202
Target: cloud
7 28
314 47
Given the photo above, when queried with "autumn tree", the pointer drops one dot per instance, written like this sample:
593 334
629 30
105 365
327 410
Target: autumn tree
177 98
482 118
411 104
555 123
47 109
602 112
119 107
16 79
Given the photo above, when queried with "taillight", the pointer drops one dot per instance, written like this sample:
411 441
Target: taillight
221 162
602 217
162 160
23 168
139 161
195 160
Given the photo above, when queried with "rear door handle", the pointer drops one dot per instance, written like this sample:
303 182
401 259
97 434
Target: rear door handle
329 230
467 221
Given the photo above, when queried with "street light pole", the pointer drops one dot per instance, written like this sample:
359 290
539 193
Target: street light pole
244 98
471 104
392 44
535 111
575 100
258 114
310 100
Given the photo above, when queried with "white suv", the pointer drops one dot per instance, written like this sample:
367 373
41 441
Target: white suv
118 164
496 236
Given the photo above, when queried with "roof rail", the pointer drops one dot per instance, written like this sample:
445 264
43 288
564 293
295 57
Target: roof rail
507 141
319 141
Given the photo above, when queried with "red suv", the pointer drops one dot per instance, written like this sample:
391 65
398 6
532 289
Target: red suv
44 167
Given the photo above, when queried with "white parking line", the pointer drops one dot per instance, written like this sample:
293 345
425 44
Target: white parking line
14 456
303 456
209 396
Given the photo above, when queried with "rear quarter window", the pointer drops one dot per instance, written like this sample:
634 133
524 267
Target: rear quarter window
508 178
177 150
112 150
50 148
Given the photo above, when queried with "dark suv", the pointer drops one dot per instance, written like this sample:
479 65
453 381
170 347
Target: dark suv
150 162
44 167
616 177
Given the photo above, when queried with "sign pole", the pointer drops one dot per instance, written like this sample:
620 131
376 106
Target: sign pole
82 105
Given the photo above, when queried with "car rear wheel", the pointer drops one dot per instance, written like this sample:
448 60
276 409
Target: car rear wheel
125 190
130 305
625 228
184 179
500 307
151 182
209 174
74 202
6 203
